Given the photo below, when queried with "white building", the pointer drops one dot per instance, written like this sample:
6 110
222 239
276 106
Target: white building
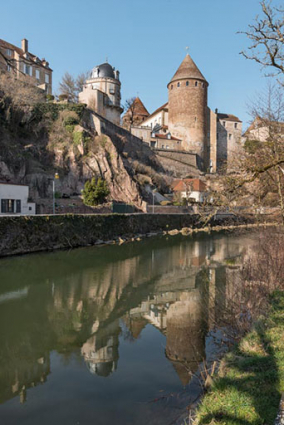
14 199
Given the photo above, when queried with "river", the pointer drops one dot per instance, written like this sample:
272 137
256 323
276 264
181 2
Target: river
112 334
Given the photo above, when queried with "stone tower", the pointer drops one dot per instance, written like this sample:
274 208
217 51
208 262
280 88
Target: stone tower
101 92
187 92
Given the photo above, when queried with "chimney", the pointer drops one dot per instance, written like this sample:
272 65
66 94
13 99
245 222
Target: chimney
25 45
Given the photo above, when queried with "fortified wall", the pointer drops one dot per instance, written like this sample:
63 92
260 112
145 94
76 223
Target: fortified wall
22 235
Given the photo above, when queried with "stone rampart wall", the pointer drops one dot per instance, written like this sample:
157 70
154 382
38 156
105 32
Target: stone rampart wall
22 235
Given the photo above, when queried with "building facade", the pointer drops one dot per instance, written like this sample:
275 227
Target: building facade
102 92
25 66
14 199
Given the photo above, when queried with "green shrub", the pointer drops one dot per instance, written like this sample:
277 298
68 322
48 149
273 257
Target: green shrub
49 98
95 192
77 137
71 120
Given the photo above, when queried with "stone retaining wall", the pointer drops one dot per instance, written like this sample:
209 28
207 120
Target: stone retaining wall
21 235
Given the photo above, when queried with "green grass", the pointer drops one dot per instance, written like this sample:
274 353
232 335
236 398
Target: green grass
250 381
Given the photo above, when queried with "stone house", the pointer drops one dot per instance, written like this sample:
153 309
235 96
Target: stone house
25 65
194 189
14 199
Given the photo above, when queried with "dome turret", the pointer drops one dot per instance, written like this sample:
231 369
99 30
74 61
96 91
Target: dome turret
105 70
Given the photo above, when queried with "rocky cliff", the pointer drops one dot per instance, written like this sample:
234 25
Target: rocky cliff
79 145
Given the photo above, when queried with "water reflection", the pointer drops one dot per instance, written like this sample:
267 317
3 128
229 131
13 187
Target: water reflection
88 302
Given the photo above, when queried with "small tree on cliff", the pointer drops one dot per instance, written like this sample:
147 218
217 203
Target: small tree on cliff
95 192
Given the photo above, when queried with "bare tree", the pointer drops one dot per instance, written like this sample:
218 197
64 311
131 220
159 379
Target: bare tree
81 79
258 176
67 87
70 87
267 38
130 107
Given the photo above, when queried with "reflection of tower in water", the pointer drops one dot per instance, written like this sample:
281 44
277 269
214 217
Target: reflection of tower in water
100 352
186 334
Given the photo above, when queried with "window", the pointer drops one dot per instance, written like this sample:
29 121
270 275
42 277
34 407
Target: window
195 119
7 205
167 147
178 84
230 136
28 70
224 123
8 68
196 83
46 79
203 85
18 206
187 83
236 125
37 74
9 52
172 87
163 146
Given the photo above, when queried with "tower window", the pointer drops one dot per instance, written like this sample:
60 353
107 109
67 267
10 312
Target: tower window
187 83
178 84
172 87
230 136
196 83
236 125
203 85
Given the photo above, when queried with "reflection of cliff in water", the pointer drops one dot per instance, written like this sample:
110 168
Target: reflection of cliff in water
73 302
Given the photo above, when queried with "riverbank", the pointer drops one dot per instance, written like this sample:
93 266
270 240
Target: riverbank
27 234
248 386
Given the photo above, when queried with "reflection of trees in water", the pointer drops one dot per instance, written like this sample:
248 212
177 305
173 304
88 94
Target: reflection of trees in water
80 310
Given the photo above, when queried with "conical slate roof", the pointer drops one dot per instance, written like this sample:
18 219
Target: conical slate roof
187 69
139 108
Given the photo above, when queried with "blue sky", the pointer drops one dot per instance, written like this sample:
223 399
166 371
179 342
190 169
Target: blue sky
145 40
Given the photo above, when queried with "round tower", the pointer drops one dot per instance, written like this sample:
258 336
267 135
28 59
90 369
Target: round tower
187 93
101 92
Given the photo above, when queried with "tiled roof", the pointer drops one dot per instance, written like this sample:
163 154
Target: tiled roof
187 69
228 117
139 109
164 136
196 185
5 45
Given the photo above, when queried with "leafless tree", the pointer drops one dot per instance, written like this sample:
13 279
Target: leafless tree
67 87
267 39
70 86
130 107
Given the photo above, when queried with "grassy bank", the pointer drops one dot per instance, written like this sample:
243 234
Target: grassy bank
248 387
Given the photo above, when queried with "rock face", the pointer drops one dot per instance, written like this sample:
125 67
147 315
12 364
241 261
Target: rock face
95 148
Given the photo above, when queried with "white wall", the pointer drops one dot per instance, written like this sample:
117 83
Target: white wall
16 192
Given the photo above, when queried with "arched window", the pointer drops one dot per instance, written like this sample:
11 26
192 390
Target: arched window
178 84
187 83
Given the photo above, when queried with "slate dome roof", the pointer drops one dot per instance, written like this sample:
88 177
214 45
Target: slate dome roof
105 70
